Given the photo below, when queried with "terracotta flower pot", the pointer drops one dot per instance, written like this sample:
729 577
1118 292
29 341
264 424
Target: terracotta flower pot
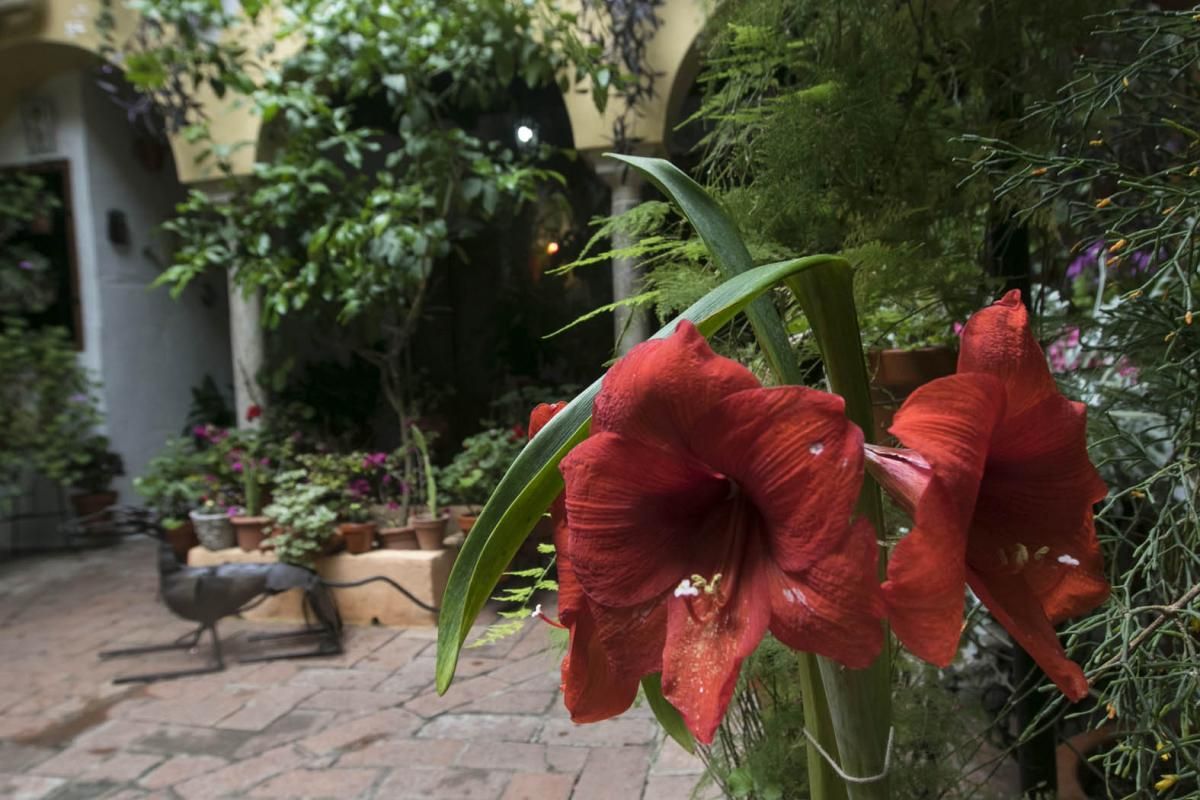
359 536
86 505
467 521
250 532
431 531
214 530
895 374
398 538
182 538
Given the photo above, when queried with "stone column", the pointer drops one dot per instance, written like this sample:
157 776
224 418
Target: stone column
630 325
246 343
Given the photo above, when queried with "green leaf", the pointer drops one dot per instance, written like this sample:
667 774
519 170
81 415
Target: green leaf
667 715
532 481
728 252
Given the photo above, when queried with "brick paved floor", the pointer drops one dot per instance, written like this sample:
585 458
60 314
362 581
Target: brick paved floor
366 724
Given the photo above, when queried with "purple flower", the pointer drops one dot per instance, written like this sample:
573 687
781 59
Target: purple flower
392 505
233 511
264 462
387 479
958 328
236 466
78 398
360 487
27 265
199 432
375 461
1085 260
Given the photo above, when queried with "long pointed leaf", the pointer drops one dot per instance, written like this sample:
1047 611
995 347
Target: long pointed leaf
532 482
667 715
728 252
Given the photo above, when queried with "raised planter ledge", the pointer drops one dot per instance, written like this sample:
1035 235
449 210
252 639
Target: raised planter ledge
422 572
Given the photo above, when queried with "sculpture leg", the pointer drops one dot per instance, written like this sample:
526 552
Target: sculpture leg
217 664
329 627
185 642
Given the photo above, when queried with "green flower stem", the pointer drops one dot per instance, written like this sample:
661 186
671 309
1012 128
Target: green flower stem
859 700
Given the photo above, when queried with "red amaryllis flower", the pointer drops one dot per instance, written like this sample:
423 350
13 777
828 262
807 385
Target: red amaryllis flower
592 688
253 412
1001 490
705 510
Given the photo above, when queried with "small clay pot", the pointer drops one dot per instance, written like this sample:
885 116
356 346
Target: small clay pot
431 531
467 521
182 538
250 532
398 538
359 536
895 374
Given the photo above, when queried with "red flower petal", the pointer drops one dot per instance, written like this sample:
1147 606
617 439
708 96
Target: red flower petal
794 454
834 609
542 414
662 387
707 641
950 422
997 341
593 689
1036 505
637 515
1016 607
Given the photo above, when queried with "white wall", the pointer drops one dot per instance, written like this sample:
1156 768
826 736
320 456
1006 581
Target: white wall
147 349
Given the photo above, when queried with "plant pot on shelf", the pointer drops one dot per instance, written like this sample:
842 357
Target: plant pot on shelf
431 531
398 538
895 374
466 520
182 538
93 503
359 536
250 532
214 530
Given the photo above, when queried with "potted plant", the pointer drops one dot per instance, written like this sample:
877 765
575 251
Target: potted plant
302 518
476 469
92 478
430 526
356 528
249 524
172 485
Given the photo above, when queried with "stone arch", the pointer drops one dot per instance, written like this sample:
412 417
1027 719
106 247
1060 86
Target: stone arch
56 36
672 54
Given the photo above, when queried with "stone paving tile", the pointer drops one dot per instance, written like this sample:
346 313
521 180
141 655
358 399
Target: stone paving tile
236 778
362 731
443 783
505 727
619 731
613 773
366 723
179 769
524 756
341 784
27 787
266 706
676 787
462 692
527 786
288 728
350 700
405 754
330 678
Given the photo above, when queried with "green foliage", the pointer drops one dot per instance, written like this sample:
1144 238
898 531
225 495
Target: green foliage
1118 181
512 620
302 517
26 280
427 471
173 482
48 410
477 468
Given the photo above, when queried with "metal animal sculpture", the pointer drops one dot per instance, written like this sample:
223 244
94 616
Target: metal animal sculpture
205 595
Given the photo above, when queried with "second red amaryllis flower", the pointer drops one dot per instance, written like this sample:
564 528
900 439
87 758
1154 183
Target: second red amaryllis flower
705 510
998 480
